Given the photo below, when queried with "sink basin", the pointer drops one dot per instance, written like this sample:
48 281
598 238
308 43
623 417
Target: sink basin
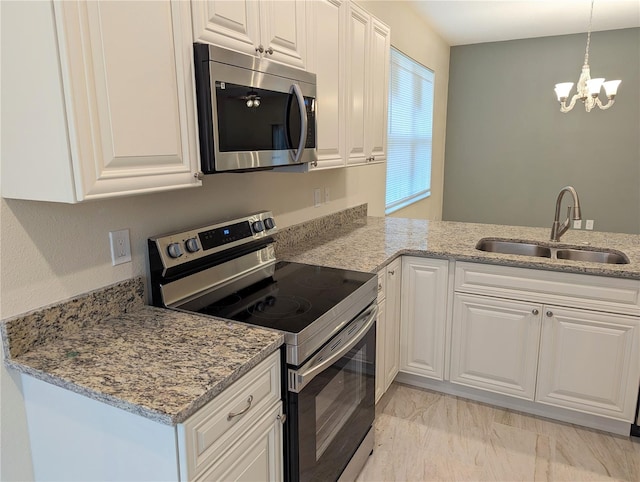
541 250
609 256
524 248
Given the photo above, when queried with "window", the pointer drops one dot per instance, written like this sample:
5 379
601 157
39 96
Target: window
410 132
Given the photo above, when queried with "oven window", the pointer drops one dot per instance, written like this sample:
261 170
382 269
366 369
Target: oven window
332 414
338 400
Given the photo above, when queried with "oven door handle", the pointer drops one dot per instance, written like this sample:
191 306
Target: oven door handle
298 379
295 89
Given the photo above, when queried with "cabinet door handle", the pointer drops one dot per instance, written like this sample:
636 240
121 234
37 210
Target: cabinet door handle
379 286
392 272
260 49
549 314
270 51
282 418
199 175
535 312
236 414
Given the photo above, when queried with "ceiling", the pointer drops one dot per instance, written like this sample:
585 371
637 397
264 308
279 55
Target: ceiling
462 22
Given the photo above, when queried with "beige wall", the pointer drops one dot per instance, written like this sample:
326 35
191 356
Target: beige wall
412 35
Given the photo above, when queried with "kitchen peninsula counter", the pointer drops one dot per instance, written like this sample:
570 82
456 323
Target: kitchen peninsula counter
370 243
107 345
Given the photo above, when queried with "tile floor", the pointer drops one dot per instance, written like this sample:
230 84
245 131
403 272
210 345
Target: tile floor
423 436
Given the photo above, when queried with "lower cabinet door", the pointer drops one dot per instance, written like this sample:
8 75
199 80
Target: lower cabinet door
423 320
495 344
589 362
257 456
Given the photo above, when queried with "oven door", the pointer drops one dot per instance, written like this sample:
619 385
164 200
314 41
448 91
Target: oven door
331 404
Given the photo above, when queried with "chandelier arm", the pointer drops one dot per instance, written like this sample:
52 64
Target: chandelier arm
566 108
607 105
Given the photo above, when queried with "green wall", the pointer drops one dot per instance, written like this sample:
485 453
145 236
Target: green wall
509 149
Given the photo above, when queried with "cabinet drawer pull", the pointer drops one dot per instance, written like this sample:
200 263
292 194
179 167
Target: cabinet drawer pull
282 418
249 401
535 312
549 314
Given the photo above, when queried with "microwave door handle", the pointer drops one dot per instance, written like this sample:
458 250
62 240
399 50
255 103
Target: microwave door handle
295 89
309 373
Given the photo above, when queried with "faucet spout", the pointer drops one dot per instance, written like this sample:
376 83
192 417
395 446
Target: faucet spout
573 212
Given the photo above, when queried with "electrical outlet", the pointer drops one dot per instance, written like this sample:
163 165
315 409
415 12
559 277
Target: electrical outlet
326 195
589 224
577 224
317 198
120 247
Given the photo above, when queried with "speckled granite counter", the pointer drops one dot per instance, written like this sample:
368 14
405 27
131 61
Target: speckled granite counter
370 243
109 346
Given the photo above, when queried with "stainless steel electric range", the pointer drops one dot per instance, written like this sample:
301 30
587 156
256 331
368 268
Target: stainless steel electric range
228 270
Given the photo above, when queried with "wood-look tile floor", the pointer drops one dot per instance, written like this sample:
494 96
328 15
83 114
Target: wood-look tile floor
423 436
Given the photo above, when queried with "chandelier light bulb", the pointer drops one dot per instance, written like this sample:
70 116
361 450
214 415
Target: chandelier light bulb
593 85
562 90
611 88
256 103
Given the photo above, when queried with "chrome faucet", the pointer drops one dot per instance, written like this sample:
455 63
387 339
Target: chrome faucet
573 212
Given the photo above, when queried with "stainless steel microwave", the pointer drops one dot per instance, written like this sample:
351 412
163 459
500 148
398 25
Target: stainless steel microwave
252 113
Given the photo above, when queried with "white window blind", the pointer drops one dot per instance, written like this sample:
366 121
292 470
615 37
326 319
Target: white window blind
410 132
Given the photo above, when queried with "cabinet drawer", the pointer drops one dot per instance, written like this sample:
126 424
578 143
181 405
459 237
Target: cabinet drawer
214 427
599 293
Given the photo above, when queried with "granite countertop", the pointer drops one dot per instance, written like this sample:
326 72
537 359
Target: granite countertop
372 242
157 363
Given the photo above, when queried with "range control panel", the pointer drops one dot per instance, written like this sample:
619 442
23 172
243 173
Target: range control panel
181 247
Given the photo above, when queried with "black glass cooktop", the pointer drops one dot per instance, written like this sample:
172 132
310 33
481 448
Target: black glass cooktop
293 298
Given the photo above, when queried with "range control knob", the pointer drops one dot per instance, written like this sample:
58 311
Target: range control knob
269 223
192 245
258 227
174 250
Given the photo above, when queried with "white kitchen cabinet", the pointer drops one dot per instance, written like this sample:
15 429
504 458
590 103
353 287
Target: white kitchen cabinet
271 29
588 358
76 438
589 361
494 344
326 27
388 326
97 99
368 49
423 316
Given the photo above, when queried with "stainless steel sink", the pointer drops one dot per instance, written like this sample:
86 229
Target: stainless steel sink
524 248
607 256
541 250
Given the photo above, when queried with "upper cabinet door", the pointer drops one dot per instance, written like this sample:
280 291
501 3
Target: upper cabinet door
232 24
326 27
379 91
282 30
100 95
272 29
358 82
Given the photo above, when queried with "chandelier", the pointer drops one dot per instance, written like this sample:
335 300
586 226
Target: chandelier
587 88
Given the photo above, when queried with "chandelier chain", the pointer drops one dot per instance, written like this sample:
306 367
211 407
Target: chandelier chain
586 53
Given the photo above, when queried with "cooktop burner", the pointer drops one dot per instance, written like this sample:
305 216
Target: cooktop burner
293 298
